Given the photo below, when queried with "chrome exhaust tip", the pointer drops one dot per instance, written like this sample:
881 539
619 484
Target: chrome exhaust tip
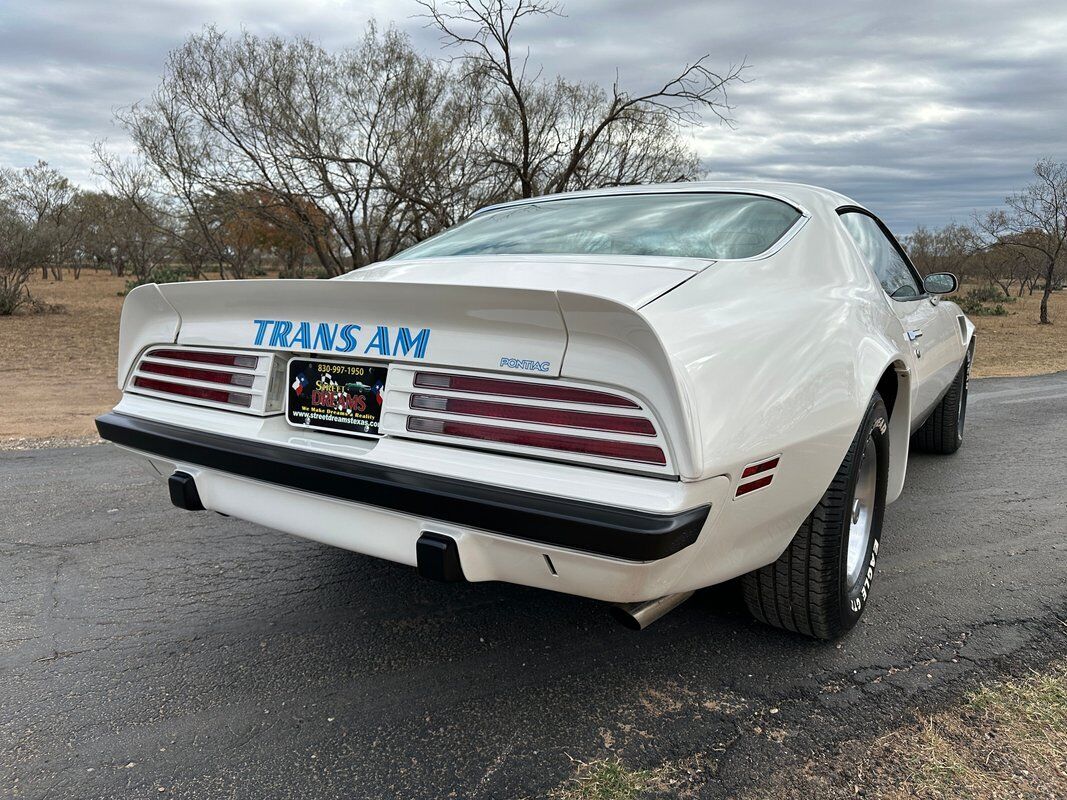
638 616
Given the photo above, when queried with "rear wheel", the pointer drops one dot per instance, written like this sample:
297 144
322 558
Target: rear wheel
942 433
819 586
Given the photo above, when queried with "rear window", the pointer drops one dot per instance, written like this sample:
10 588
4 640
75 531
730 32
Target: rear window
689 225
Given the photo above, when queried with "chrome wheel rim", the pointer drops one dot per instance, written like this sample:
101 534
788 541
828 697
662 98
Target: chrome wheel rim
862 520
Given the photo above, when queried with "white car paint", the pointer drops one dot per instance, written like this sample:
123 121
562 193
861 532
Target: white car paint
735 360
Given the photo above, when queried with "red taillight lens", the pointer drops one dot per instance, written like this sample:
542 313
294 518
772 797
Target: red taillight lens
545 416
199 392
752 486
756 469
533 391
627 451
203 357
193 373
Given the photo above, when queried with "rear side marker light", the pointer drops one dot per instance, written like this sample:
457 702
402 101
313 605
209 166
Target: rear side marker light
199 392
756 469
533 391
615 423
752 486
604 448
764 469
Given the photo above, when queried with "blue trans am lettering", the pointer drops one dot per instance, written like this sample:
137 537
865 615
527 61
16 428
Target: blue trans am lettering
380 340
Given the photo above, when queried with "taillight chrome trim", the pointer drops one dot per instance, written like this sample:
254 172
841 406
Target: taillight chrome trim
230 379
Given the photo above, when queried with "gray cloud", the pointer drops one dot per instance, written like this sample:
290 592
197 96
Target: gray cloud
922 111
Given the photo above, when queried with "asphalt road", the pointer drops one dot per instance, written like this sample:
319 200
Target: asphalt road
149 652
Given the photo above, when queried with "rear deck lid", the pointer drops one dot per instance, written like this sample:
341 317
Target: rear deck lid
517 330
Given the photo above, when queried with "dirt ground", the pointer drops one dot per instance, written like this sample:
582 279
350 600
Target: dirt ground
60 367
1016 345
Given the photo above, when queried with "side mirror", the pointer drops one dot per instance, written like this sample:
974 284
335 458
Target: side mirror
940 283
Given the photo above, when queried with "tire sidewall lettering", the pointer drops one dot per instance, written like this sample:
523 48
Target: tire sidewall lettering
854 601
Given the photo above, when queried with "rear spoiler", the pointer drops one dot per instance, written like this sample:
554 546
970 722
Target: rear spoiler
530 332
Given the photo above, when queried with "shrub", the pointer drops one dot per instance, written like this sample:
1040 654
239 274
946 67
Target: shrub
988 294
974 302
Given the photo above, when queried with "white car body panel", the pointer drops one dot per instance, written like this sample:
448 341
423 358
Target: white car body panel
632 281
734 360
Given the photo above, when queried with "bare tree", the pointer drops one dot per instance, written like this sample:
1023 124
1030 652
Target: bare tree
1000 266
360 153
947 249
38 228
22 244
46 199
555 135
1035 219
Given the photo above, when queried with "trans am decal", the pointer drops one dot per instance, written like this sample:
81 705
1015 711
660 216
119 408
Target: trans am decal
326 337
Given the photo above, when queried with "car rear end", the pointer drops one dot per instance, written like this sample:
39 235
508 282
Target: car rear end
537 437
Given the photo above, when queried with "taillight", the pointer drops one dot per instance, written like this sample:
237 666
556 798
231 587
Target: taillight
533 391
547 416
551 441
199 392
638 426
208 357
209 375
233 380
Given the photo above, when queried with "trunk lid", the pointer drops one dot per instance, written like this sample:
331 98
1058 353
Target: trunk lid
518 330
595 339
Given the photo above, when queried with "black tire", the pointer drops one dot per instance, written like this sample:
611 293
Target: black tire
942 433
808 589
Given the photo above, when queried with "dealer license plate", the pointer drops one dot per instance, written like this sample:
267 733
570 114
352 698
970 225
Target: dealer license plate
335 396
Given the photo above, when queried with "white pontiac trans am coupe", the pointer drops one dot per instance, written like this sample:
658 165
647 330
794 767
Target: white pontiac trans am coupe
625 394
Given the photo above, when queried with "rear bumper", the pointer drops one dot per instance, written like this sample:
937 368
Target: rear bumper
591 528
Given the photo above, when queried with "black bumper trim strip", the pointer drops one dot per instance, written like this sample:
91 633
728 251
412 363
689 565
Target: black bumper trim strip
590 527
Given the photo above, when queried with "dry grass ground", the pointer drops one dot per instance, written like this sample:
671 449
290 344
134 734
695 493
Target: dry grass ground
1017 345
60 368
1006 740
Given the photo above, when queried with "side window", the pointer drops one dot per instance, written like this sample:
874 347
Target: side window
890 267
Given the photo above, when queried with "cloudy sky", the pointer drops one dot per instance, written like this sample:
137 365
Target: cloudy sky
922 110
